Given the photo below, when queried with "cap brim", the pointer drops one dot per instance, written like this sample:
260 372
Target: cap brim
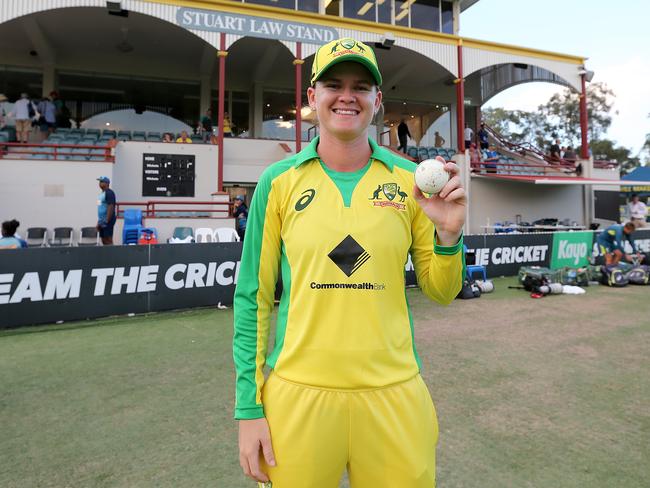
354 58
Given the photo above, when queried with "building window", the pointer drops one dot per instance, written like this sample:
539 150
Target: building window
384 8
307 5
425 14
447 17
332 7
359 9
402 10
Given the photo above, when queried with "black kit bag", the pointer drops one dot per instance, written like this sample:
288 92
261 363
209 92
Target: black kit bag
613 276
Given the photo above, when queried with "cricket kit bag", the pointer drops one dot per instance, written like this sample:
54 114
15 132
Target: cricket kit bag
638 275
574 276
613 276
469 290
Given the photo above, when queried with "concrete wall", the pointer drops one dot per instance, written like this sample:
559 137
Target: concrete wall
492 201
245 159
50 193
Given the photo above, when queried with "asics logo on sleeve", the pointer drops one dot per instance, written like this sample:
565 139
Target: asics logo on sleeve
305 199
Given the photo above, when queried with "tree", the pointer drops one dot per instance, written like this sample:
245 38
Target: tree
557 118
605 150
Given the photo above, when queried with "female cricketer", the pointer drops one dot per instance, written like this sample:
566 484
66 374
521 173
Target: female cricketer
337 222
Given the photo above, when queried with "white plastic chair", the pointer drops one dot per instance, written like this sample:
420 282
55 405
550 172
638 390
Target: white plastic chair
225 234
204 234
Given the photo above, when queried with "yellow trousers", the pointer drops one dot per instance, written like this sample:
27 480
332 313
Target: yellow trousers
385 437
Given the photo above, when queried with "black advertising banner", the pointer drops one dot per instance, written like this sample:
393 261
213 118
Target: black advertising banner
504 254
44 285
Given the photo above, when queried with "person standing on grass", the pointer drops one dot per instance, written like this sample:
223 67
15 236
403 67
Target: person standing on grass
106 215
345 390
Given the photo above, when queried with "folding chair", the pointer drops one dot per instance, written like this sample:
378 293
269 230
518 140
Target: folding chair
36 236
62 237
88 236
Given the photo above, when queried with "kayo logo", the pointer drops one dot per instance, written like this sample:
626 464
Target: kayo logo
305 199
575 251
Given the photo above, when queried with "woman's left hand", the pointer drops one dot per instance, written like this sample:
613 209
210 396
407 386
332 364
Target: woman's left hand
446 209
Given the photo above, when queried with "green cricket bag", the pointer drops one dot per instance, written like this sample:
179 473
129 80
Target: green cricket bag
574 276
613 276
537 276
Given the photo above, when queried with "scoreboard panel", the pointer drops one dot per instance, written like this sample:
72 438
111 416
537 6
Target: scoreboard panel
168 175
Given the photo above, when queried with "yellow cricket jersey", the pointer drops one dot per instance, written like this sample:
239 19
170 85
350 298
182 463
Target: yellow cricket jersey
340 242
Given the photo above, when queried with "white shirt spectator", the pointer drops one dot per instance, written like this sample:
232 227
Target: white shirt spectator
468 134
637 210
21 109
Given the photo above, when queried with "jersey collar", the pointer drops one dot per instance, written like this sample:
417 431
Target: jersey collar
379 153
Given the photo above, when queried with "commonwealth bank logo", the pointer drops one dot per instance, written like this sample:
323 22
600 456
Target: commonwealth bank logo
349 256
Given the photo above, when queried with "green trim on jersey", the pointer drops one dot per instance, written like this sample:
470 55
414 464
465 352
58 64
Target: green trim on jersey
283 310
346 181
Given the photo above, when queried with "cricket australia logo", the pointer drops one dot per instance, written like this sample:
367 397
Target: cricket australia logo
349 256
348 45
389 191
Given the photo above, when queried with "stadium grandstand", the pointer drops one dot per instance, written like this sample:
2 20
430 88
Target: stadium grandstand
125 73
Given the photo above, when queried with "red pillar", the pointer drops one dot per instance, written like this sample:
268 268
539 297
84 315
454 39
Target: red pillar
584 150
460 100
298 62
222 53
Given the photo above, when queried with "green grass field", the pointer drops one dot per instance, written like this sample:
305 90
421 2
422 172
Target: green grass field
552 392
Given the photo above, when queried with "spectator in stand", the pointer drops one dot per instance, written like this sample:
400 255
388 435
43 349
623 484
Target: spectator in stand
240 213
167 137
483 137
439 140
637 211
106 215
3 110
491 159
570 154
206 125
47 120
24 111
555 150
474 157
469 135
403 134
227 125
184 138
9 239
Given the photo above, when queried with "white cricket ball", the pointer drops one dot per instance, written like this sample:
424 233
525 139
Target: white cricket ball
431 176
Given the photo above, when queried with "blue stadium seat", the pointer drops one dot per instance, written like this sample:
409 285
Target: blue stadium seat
132 226
196 139
154 134
151 138
138 138
108 133
95 132
97 155
79 154
139 133
412 152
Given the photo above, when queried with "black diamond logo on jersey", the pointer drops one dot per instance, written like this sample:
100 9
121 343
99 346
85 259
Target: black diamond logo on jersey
349 256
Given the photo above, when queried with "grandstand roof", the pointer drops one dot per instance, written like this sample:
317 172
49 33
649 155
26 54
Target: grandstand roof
641 173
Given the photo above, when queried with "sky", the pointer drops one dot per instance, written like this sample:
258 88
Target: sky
614 35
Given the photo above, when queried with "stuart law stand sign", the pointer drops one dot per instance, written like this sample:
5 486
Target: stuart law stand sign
248 25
